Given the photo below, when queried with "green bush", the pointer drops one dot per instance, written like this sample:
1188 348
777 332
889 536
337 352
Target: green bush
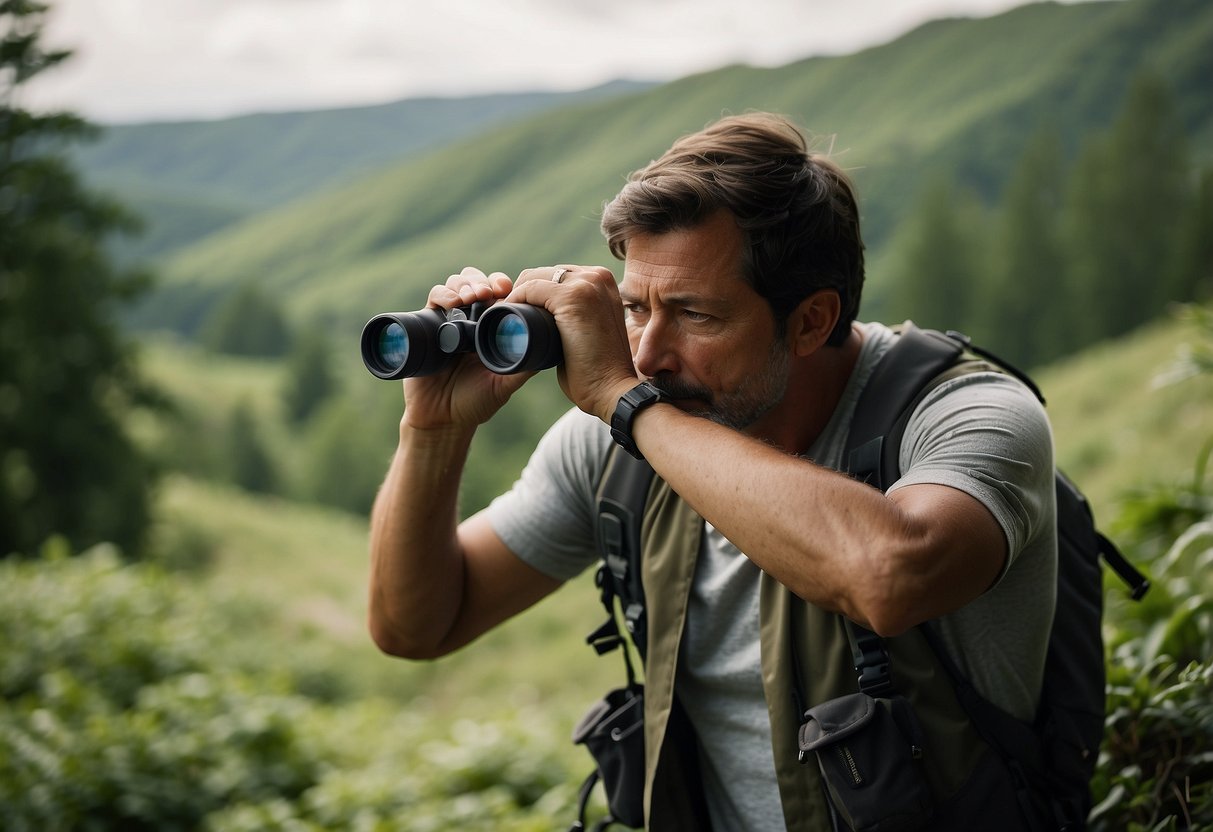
124 704
1156 768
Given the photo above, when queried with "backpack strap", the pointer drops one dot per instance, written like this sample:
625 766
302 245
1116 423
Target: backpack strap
622 494
908 370
900 380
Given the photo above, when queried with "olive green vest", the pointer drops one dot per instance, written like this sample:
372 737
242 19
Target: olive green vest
671 534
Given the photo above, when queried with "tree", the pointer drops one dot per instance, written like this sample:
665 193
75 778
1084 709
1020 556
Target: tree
249 463
344 462
247 323
1128 198
937 259
1025 310
309 376
1194 256
67 465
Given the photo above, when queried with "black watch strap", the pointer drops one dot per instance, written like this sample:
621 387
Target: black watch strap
631 403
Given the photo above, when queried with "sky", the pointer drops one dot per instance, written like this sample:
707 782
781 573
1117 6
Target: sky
153 60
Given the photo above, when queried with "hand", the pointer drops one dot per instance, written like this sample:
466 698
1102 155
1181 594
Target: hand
465 394
597 366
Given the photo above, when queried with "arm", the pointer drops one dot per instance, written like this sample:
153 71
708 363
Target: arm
889 562
436 584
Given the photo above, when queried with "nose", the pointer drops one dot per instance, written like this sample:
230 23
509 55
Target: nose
653 349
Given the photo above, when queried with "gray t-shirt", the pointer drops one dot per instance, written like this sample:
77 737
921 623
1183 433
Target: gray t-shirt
982 433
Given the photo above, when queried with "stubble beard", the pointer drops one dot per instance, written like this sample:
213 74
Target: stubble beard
753 399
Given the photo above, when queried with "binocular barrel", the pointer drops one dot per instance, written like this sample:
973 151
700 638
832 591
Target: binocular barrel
507 337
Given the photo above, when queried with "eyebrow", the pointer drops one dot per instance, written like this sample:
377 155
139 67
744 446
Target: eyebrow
680 300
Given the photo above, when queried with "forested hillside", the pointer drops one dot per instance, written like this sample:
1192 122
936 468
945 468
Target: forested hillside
897 116
190 178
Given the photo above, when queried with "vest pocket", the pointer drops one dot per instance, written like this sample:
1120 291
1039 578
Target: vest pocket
613 731
870 754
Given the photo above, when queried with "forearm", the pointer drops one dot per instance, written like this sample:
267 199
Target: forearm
417 566
839 544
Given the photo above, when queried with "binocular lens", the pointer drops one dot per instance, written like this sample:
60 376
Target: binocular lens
403 344
511 339
393 346
508 338
517 338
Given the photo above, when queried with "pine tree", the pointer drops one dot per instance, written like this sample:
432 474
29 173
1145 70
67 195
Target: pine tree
247 323
1194 256
1026 310
250 466
66 373
937 259
1127 199
310 378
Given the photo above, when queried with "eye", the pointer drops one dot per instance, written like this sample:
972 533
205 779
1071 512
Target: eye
696 317
634 311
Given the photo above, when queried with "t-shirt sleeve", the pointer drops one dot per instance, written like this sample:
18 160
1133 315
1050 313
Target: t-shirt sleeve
987 435
547 517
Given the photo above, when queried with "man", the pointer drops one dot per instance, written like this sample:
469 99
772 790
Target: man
743 268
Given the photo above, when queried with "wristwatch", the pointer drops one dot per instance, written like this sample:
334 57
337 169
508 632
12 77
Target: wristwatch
631 403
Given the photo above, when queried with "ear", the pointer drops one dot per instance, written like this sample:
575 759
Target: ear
812 321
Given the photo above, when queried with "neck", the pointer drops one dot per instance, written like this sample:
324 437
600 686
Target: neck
815 386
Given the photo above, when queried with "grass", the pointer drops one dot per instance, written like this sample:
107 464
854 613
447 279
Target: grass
1118 425
309 567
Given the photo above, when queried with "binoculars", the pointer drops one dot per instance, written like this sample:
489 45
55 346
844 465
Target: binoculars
507 337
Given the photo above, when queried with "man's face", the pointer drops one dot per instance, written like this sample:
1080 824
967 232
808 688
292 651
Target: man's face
698 331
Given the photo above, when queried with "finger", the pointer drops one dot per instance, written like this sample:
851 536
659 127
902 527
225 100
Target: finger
500 283
468 287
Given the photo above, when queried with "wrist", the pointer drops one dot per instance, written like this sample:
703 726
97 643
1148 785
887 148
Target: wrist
436 439
631 403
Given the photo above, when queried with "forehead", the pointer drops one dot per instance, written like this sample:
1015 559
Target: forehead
705 260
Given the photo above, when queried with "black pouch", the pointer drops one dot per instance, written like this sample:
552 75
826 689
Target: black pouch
613 731
870 754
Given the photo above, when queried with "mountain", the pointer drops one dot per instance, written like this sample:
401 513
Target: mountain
195 176
958 95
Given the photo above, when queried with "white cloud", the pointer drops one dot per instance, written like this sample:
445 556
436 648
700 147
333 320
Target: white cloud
143 59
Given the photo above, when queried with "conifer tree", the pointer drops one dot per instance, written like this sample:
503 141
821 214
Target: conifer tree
249 463
1026 311
1127 199
937 259
310 378
67 465
247 323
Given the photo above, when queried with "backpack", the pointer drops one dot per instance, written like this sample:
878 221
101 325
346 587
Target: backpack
1053 758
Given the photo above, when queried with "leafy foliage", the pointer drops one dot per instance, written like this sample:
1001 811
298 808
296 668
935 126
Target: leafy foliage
118 711
1156 767
67 465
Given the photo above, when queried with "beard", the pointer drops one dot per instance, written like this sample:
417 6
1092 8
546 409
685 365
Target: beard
740 408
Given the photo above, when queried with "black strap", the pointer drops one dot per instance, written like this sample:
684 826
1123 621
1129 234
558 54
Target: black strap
1138 583
622 495
900 377
871 660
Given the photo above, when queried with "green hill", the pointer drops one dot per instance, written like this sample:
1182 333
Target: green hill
961 95
176 173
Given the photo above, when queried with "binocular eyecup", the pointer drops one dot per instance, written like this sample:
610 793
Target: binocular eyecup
507 337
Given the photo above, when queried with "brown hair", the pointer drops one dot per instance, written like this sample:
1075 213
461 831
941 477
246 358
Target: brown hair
797 209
